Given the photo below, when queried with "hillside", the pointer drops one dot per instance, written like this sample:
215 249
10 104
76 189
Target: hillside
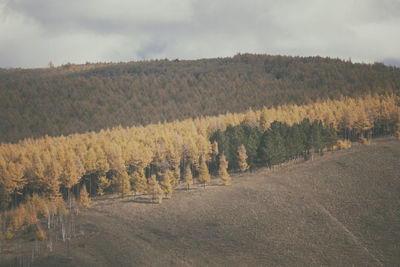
338 210
79 98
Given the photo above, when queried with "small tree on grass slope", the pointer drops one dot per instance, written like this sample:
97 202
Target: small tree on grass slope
222 172
242 158
166 183
84 199
154 189
204 175
188 177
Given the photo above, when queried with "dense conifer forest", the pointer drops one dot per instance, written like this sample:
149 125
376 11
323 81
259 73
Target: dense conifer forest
90 97
37 175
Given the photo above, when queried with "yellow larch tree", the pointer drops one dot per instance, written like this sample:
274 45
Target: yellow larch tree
123 184
138 181
84 199
222 172
188 177
204 175
72 172
166 183
102 185
242 154
154 189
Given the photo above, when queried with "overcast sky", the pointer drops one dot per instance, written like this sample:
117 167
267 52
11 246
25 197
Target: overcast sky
34 32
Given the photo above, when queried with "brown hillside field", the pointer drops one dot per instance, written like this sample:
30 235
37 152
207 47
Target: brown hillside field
342 209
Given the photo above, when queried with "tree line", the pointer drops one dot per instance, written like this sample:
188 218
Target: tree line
153 159
90 97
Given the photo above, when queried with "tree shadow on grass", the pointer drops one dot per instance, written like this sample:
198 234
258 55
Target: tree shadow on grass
186 189
142 200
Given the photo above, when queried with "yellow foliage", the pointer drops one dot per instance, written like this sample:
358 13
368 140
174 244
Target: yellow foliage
154 189
188 177
60 204
344 144
39 204
40 235
44 163
84 199
204 175
166 183
8 234
31 213
363 140
222 172
103 184
242 158
139 181
19 218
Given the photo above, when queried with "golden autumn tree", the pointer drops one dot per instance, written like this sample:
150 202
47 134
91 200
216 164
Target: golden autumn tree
154 189
90 161
250 118
36 172
138 181
102 165
123 184
222 172
72 171
188 177
242 158
204 175
102 185
166 183
174 156
84 199
214 149
52 176
12 177
263 122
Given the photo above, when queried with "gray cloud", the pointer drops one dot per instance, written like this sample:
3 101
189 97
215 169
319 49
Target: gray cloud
35 32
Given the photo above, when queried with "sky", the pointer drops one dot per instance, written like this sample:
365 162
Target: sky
35 32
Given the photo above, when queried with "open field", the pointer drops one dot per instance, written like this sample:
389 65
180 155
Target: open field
341 209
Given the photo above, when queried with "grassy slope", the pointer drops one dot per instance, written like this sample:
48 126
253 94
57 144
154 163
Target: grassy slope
341 209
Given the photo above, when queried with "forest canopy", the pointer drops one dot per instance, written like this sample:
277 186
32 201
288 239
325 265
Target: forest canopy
123 159
90 97
37 175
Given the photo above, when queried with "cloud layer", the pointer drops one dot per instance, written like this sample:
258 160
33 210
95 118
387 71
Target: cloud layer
32 33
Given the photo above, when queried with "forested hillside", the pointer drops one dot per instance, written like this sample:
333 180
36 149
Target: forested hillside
79 98
153 159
